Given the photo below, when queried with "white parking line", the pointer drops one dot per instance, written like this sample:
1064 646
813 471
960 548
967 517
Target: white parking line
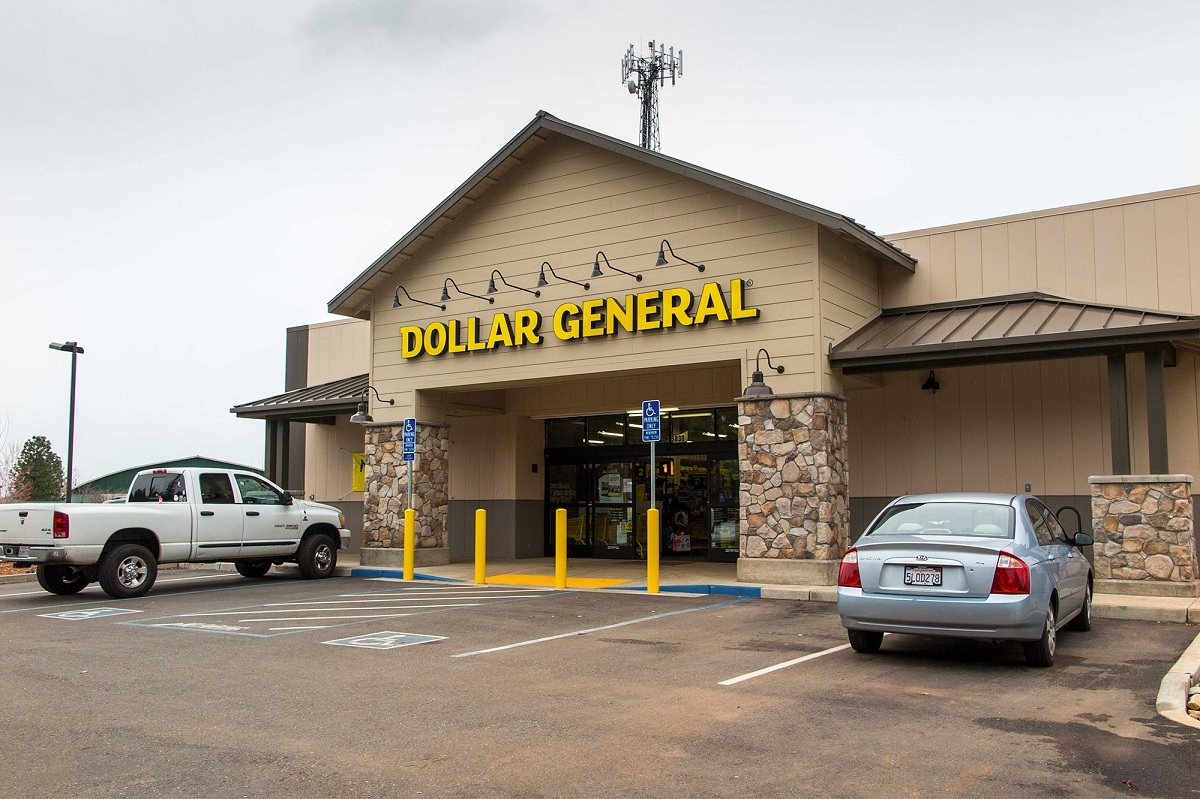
779 666
596 629
405 599
323 618
257 612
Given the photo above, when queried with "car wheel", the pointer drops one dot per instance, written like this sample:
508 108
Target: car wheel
127 571
1041 651
317 556
1083 622
61 579
865 641
253 568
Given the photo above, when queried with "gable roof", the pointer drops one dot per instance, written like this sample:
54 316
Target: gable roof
1014 327
350 300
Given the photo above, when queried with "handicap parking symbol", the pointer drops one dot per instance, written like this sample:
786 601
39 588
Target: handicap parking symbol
83 614
385 640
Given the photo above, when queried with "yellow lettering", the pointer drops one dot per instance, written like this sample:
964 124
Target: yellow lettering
410 341
648 310
593 318
473 342
615 313
712 303
455 330
675 307
501 332
527 324
566 321
738 310
435 338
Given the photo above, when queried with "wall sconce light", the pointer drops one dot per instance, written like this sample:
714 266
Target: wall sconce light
450 282
491 289
662 258
362 417
931 385
596 268
757 387
543 282
396 299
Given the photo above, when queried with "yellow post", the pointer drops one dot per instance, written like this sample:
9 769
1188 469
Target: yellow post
410 524
560 548
480 546
652 551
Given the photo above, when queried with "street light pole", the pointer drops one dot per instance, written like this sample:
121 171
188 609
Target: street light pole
75 350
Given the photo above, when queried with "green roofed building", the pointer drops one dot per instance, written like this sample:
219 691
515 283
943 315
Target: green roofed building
117 483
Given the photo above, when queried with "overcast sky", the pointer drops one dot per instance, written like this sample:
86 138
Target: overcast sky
182 181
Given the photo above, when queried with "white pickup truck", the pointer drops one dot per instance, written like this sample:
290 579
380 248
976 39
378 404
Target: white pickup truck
172 516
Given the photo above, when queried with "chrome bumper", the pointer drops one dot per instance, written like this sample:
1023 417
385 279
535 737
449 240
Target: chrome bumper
31 553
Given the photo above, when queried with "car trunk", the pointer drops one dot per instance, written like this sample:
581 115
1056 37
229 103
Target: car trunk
929 565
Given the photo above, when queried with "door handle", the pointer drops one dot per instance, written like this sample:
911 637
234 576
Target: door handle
251 513
208 513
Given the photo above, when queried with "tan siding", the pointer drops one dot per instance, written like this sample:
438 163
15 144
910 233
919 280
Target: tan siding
337 350
328 465
1057 447
1022 256
1050 237
1080 256
1140 256
968 263
848 296
942 281
995 261
1029 439
1183 415
1108 228
974 409
947 430
1171 250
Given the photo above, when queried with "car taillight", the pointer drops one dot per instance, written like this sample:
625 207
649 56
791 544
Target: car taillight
1012 576
62 525
848 571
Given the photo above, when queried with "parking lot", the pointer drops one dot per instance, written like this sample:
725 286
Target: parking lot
214 685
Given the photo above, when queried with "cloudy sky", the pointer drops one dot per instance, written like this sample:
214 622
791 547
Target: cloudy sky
182 181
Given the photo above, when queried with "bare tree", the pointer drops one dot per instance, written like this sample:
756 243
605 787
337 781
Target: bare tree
13 485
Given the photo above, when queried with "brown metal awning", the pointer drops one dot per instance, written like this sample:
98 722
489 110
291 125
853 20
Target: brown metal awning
1016 327
318 403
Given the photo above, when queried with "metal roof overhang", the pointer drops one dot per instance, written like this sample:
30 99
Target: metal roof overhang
316 404
1003 330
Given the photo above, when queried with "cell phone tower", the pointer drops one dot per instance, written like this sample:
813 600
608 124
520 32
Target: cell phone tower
652 74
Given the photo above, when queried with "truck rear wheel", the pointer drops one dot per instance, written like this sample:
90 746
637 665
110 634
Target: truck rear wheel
317 556
253 568
127 571
61 580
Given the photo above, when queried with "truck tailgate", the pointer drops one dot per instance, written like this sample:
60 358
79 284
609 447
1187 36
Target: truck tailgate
27 524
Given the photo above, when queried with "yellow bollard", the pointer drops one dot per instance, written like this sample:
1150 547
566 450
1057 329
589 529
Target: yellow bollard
410 524
560 548
480 546
652 551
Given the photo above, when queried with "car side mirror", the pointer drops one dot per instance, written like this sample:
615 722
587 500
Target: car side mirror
1082 540
287 498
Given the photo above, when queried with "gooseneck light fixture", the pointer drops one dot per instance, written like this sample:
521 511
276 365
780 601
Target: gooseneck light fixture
662 258
362 417
543 282
931 385
757 387
491 289
596 268
396 299
75 350
450 282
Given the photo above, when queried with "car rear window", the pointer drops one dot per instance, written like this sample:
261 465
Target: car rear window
977 519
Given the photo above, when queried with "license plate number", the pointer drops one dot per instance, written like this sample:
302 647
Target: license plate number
922 575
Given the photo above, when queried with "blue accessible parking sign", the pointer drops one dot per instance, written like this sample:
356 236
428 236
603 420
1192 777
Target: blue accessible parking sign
651 421
410 439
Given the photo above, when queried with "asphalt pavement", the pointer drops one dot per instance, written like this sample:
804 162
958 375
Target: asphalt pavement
218 686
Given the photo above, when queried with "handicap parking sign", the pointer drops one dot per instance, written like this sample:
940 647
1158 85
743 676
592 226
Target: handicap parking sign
410 439
651 421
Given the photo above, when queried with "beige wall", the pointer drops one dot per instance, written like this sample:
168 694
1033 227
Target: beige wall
848 295
338 349
565 202
1142 251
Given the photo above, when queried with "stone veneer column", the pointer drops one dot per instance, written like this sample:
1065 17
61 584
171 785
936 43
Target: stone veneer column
1145 537
795 497
386 475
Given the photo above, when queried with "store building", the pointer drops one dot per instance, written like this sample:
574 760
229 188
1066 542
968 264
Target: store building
523 321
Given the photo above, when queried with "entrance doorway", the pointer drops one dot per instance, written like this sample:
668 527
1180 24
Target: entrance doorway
599 472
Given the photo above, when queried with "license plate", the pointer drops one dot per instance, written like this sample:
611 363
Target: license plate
922 575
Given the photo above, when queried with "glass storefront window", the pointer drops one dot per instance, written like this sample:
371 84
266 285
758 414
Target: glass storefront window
606 430
565 432
690 427
567 483
727 424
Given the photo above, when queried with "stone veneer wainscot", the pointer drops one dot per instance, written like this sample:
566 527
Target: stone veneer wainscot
386 476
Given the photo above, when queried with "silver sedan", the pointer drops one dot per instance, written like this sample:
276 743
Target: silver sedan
991 566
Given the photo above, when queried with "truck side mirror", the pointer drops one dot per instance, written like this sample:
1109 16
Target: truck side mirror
287 498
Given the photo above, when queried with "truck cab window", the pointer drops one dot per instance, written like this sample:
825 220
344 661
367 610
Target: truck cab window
159 487
215 489
256 491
